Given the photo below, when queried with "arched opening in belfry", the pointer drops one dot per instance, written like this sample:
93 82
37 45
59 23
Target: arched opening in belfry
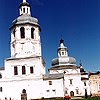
32 33
22 32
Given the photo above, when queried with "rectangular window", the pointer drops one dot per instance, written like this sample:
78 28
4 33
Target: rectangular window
99 86
54 92
0 75
77 91
15 70
66 92
70 81
47 92
23 70
0 89
84 83
31 70
50 82
24 10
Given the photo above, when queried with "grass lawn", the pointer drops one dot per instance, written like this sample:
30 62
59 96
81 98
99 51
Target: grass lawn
90 98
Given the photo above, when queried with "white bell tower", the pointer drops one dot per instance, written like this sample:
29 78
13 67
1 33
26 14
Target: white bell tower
25 43
25 34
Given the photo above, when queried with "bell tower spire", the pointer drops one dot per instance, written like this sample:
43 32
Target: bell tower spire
25 34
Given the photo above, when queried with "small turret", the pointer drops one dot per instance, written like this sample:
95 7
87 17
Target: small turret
24 8
63 58
62 50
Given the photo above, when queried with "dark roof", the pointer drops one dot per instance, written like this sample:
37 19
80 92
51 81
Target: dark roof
53 76
94 73
84 78
24 4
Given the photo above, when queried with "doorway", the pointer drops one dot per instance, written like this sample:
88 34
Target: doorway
71 93
24 95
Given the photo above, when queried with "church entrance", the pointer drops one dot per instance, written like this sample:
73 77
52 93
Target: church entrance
24 95
71 93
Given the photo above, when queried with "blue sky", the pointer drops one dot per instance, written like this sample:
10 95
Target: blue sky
77 21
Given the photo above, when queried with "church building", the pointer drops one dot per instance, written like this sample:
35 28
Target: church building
24 78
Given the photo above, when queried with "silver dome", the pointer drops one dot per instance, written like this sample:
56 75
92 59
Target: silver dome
23 19
64 61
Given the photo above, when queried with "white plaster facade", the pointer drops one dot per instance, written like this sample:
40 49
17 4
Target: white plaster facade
24 72
76 82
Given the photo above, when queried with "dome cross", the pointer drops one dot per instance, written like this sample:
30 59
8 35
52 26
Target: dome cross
24 0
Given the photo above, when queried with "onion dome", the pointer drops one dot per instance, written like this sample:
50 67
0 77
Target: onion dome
63 58
64 61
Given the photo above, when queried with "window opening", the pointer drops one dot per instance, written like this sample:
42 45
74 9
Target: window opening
31 69
0 75
70 81
32 33
24 10
22 31
84 83
23 70
27 10
23 91
15 70
0 89
50 82
77 91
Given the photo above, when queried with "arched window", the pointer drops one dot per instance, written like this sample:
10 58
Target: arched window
24 10
23 91
27 10
22 32
32 33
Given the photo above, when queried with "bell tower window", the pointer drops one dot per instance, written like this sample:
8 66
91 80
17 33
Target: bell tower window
22 32
27 10
32 33
24 10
